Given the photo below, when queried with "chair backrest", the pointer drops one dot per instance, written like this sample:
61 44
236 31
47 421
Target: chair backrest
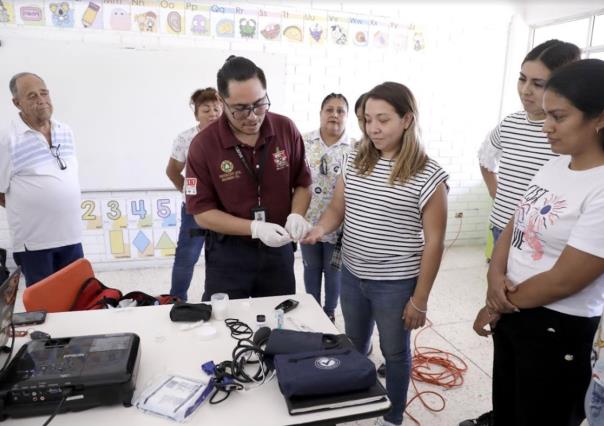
57 292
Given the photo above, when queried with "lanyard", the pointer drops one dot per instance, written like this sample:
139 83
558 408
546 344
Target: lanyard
256 176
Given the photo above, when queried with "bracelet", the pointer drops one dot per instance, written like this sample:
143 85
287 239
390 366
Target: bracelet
415 307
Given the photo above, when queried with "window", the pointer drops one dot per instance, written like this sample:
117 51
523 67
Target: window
598 35
587 32
573 32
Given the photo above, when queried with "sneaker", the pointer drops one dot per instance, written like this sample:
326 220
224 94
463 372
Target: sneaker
485 419
381 370
381 422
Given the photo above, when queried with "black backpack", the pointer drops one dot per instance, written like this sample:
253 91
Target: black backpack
3 269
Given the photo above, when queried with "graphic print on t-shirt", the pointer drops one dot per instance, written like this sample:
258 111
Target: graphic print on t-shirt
538 210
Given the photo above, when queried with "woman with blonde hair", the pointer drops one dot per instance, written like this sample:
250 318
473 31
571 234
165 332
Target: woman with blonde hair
392 199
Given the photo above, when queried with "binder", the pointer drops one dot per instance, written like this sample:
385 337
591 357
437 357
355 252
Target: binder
310 404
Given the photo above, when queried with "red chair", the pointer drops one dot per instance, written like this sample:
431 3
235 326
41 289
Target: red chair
57 292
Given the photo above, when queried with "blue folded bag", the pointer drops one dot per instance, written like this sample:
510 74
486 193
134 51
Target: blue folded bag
325 372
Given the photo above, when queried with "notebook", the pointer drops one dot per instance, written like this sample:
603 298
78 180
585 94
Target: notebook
310 404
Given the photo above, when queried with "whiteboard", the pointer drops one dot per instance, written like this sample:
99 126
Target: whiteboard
125 105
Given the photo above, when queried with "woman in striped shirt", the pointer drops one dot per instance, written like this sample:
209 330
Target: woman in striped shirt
516 149
392 199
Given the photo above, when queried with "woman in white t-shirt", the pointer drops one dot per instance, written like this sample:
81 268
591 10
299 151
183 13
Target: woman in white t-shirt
206 108
392 199
550 257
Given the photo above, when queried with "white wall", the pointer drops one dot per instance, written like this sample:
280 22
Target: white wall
458 81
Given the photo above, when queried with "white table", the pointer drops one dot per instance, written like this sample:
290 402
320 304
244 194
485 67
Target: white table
166 348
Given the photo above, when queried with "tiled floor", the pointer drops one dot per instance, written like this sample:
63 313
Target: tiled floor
458 293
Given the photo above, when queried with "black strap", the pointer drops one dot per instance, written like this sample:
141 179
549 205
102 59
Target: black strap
256 176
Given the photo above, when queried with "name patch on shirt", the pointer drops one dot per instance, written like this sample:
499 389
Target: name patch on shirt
190 186
280 159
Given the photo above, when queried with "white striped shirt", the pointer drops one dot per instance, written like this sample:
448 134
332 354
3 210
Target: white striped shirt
516 149
383 235
42 201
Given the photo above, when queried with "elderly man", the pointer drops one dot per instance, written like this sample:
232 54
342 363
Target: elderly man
39 184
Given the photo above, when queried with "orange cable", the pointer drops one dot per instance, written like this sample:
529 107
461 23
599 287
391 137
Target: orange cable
435 366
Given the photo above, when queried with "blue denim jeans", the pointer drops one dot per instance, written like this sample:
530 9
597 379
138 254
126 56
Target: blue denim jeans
39 264
594 404
316 259
187 253
496 233
369 302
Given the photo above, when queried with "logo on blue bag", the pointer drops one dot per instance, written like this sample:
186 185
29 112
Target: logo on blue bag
327 363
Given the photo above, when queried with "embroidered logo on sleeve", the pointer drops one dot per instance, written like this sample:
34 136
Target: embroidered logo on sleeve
280 159
191 186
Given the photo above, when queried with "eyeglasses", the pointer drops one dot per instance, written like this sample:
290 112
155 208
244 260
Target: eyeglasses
241 113
323 165
54 151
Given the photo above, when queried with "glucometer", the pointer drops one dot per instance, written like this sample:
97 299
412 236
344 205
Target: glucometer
287 305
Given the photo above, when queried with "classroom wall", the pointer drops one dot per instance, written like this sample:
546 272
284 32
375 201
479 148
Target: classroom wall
457 76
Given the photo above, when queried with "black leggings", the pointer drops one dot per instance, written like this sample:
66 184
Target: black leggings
541 368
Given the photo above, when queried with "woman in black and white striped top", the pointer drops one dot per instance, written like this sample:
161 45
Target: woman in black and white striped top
393 200
517 148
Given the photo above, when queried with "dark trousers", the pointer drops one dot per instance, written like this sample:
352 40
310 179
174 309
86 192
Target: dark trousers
541 368
188 249
39 264
242 268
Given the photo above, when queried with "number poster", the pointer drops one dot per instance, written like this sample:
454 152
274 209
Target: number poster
133 228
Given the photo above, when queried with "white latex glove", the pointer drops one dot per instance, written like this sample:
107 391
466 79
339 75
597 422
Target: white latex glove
271 234
297 226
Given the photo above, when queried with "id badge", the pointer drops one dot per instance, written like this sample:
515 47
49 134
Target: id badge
259 213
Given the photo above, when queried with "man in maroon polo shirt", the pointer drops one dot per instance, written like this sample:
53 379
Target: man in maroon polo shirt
248 184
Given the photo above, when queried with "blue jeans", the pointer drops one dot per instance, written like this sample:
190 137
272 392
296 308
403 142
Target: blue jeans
496 232
365 302
39 264
187 253
594 404
316 259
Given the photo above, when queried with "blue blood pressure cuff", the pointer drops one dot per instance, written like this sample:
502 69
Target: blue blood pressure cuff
324 372
281 341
